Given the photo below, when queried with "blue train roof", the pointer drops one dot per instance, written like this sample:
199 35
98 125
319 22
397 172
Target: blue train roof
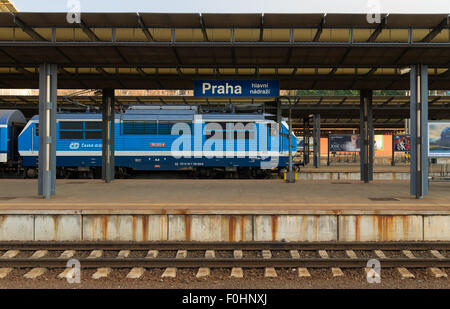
163 112
162 109
81 116
233 117
8 116
160 112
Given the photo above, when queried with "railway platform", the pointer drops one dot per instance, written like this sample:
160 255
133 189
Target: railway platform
223 210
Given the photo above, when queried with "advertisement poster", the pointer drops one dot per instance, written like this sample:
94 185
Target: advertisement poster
439 139
344 143
402 143
351 143
378 142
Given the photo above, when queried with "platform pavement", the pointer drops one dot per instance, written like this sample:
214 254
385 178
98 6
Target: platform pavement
193 195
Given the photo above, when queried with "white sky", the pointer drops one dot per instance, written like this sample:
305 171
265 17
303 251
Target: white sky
240 6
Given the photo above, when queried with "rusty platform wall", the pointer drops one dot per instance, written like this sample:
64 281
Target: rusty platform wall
89 227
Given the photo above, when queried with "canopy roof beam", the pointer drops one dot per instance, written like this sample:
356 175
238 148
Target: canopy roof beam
202 24
371 71
436 30
91 35
28 30
388 101
320 28
261 29
378 30
101 71
144 28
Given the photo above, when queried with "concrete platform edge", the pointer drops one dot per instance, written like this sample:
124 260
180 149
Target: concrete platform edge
224 227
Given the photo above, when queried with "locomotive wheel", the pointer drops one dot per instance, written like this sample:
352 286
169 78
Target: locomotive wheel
30 173
121 173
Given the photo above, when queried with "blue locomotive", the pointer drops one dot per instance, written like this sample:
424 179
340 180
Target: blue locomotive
149 138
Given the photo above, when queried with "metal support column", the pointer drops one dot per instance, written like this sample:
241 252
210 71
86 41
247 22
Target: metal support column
291 161
48 78
108 165
316 134
279 117
419 130
328 151
366 136
393 150
306 140
290 177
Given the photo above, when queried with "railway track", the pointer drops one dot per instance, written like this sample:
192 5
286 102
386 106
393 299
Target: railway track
103 256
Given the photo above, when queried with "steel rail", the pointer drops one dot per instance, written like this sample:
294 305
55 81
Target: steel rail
87 263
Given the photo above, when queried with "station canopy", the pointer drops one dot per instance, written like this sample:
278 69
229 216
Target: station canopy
7 6
169 51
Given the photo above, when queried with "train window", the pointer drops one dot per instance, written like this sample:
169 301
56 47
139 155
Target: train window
212 130
242 130
37 129
71 125
93 134
80 130
71 130
93 130
139 127
165 127
239 131
273 129
246 135
71 134
93 125
239 134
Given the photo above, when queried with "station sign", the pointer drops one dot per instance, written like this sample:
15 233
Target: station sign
236 88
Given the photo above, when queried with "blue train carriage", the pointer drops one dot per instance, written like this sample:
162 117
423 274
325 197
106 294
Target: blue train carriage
11 124
146 139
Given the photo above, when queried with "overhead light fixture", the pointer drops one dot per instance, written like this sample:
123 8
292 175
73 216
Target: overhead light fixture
405 70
